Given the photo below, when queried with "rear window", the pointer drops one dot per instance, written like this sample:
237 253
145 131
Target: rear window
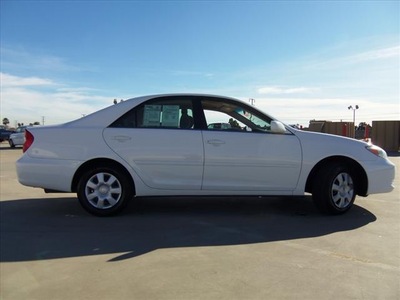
160 113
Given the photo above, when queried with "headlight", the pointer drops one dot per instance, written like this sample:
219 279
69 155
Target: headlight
377 151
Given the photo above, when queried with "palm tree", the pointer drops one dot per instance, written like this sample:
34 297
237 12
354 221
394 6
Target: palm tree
6 122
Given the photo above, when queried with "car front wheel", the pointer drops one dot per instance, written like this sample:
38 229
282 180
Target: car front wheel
12 145
334 189
104 191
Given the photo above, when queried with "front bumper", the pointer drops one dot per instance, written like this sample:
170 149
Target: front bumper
381 174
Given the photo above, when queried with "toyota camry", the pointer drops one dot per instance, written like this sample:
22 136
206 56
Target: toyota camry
197 145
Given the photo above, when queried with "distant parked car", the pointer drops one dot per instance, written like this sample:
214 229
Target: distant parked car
5 134
139 147
17 138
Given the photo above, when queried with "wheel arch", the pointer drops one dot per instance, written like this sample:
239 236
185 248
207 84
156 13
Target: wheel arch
360 176
99 162
11 143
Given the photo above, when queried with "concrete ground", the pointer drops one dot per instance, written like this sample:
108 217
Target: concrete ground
202 248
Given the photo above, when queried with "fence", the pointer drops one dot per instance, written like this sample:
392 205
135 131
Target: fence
337 128
386 134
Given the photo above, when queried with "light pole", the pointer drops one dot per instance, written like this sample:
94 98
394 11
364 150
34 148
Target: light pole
354 117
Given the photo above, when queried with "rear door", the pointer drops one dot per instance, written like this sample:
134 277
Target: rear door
159 142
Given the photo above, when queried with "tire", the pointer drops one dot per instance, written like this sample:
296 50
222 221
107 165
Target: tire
334 189
104 191
12 145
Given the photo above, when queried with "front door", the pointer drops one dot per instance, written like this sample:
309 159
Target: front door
250 161
243 152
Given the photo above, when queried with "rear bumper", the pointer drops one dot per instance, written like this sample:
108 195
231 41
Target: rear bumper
51 174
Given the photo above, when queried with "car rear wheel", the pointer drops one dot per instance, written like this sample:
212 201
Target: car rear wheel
104 191
334 189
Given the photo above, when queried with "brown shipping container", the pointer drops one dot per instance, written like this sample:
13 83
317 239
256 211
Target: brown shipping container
386 134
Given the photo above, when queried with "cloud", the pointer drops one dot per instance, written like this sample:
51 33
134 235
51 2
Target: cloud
191 73
29 99
277 90
381 58
303 109
324 85
378 54
28 61
319 86
8 80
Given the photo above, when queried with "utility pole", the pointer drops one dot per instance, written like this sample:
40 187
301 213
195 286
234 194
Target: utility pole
42 120
354 117
252 101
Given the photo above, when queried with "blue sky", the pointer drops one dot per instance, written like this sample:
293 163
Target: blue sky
299 60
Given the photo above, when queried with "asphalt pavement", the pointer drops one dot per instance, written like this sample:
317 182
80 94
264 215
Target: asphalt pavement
195 248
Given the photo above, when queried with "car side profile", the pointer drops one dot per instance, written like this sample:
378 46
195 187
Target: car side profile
18 137
169 145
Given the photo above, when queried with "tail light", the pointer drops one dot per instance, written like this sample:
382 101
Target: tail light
28 141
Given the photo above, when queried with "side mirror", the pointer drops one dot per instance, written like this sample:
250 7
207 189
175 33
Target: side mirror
277 127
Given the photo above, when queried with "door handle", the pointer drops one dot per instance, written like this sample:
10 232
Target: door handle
215 142
121 138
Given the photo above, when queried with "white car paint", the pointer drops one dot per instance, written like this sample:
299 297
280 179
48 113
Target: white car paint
172 161
256 162
196 161
18 137
318 146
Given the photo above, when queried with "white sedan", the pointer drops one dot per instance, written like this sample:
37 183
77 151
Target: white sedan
18 137
163 145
